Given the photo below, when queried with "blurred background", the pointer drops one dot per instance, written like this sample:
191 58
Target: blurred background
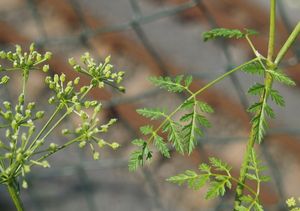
150 38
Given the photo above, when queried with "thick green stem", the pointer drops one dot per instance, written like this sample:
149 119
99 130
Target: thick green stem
268 84
15 196
272 30
288 44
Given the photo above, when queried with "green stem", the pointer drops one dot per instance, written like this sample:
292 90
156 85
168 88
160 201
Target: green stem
268 84
288 44
272 30
45 126
60 148
15 196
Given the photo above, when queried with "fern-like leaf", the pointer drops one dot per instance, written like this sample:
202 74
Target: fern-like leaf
161 145
254 68
137 157
216 174
189 130
174 136
279 76
277 98
171 84
193 180
152 114
256 89
226 33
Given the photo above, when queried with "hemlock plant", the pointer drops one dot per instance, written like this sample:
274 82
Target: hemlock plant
22 145
182 134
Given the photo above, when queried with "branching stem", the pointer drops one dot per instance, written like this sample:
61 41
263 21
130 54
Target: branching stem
200 91
268 84
15 196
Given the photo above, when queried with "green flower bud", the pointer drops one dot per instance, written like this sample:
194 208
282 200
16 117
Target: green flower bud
32 47
104 128
68 89
53 146
115 145
18 49
26 168
97 108
19 157
8 155
45 164
31 105
107 59
4 79
96 155
39 114
87 104
38 57
76 81
21 98
56 78
46 68
24 184
40 142
47 79
77 68
62 77
51 100
100 84
101 143
82 144
2 55
78 107
65 131
122 89
48 55
72 61
7 105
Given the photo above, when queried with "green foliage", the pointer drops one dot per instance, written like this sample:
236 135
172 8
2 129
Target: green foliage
137 157
181 134
152 114
226 33
24 146
255 68
216 175
177 84
279 76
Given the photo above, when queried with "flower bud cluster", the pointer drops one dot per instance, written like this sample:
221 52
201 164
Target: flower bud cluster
89 131
26 60
65 92
100 74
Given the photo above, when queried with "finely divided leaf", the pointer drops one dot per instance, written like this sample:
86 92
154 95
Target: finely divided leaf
154 113
161 145
281 77
277 98
137 158
193 180
217 188
174 136
170 84
146 130
254 68
256 89
219 164
204 107
225 33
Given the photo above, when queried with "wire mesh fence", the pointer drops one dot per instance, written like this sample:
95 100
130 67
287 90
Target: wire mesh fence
150 37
